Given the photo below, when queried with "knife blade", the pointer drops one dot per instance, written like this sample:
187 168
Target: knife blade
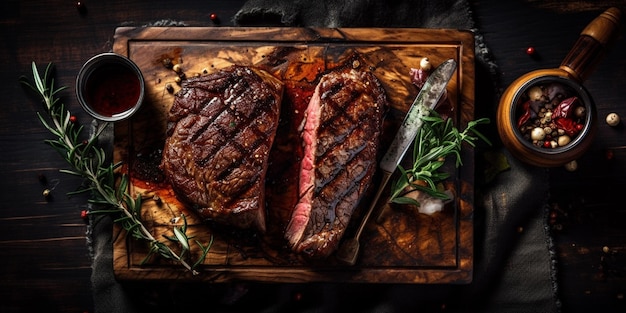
426 99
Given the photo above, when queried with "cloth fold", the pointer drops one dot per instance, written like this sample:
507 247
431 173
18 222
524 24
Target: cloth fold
514 266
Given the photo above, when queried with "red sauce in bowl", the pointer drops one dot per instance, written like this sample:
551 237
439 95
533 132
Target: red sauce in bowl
112 89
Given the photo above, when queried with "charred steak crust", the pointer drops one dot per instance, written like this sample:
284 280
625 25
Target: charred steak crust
340 137
220 130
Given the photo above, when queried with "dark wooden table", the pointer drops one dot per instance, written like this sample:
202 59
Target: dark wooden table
44 260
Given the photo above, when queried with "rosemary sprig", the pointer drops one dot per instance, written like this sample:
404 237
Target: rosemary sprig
436 140
88 161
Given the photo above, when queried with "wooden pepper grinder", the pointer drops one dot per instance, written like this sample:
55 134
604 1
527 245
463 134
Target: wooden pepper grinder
591 45
574 69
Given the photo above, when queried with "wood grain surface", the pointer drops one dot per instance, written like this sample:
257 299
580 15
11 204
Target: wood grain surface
46 264
407 247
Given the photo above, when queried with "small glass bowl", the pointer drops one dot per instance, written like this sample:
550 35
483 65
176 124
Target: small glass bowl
110 87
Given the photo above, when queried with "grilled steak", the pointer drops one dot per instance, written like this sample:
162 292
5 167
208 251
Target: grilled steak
220 131
340 137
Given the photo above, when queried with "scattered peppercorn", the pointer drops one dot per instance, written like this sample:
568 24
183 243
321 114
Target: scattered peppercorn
80 6
612 119
84 214
167 62
214 18
47 193
609 154
73 118
571 166
425 64
169 88
157 199
530 51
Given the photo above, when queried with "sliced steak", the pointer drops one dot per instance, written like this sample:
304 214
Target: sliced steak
220 130
340 136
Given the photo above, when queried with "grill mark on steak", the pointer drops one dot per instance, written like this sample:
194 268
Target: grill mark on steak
242 145
221 127
340 138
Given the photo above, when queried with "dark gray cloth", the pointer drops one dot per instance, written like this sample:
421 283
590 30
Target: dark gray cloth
514 259
356 13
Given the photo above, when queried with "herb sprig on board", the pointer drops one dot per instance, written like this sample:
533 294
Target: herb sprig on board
436 140
107 190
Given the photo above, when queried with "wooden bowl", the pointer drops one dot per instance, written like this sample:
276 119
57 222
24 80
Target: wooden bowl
574 69
511 110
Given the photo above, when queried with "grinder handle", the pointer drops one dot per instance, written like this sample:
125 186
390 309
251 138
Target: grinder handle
591 45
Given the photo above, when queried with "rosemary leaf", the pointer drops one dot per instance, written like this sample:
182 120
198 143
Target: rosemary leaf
122 187
406 200
437 140
182 238
89 161
205 251
184 227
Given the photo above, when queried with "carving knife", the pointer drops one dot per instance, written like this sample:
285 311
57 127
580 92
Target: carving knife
427 98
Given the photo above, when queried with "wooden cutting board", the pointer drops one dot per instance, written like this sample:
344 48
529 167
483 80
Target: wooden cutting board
405 247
